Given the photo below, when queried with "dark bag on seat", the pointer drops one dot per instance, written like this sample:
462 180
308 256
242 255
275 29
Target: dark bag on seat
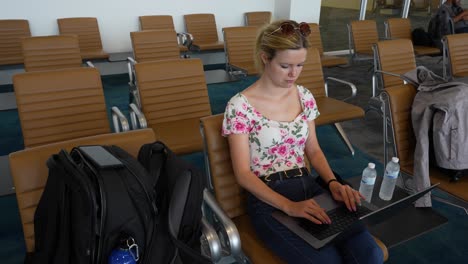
179 191
93 197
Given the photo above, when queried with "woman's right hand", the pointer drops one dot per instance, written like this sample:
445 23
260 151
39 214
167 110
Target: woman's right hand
308 209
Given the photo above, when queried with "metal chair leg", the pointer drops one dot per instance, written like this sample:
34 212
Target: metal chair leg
344 137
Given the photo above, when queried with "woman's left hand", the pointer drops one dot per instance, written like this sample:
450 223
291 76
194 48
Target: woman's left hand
346 194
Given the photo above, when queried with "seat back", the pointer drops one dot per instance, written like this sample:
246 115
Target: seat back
398 28
29 170
60 105
400 101
153 45
11 33
257 19
312 74
202 27
363 35
87 30
156 22
457 54
395 56
174 97
230 195
51 53
315 39
240 47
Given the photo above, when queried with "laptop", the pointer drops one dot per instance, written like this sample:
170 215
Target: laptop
344 222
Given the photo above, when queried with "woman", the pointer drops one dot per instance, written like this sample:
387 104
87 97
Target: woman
270 126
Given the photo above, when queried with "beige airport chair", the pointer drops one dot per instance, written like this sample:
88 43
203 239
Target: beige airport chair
400 28
240 48
231 198
51 53
150 45
62 105
332 111
362 35
174 97
315 40
257 19
87 30
203 29
398 101
11 33
391 59
455 50
29 170
165 22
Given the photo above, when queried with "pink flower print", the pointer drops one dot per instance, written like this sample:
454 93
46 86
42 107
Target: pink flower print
292 152
255 160
257 173
272 150
257 113
290 140
244 106
283 150
309 104
266 167
299 159
239 126
283 132
289 163
240 114
259 128
304 117
301 141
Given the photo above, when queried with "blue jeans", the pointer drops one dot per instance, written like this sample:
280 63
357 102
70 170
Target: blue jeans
358 248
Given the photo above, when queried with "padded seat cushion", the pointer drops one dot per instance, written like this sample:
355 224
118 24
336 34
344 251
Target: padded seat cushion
252 246
459 188
333 111
249 67
180 136
93 54
329 61
219 45
423 50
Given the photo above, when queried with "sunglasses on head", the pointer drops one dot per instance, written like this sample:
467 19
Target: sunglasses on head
288 28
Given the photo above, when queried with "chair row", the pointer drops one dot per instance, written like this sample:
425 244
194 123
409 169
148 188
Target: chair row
394 58
363 35
201 26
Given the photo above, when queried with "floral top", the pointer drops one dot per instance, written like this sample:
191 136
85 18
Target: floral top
274 145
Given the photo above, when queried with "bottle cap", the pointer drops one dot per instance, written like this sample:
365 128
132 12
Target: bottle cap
371 165
395 159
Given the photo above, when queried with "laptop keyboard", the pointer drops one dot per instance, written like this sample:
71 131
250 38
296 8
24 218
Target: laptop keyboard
341 219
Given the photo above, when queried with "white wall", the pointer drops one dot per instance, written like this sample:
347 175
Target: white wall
117 18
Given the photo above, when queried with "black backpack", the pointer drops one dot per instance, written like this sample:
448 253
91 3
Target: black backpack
421 38
94 196
179 191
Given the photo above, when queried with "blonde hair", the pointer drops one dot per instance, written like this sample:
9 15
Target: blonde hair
270 39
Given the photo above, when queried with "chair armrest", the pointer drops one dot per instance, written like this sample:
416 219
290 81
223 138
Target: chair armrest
119 120
374 79
137 117
229 229
211 239
90 64
131 69
351 85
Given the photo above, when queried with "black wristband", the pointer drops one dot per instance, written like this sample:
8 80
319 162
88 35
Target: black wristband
330 181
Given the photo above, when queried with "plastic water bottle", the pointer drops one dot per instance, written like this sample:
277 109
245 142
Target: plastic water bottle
392 170
369 174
